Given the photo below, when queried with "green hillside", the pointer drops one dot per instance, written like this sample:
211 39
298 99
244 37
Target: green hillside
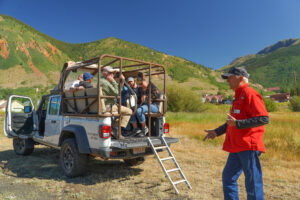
29 59
274 65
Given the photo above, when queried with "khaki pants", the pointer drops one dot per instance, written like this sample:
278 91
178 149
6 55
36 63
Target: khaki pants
124 110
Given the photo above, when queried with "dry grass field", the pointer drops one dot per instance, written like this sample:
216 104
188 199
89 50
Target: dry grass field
38 176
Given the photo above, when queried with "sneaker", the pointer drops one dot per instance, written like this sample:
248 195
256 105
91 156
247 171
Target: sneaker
136 131
145 130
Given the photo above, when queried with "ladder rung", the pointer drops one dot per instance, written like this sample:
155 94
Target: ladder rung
165 146
181 181
168 158
162 147
172 170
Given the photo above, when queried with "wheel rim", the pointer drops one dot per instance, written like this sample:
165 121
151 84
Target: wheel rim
68 159
20 144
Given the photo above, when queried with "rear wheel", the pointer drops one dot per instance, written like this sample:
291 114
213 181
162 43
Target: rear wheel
134 161
23 146
72 162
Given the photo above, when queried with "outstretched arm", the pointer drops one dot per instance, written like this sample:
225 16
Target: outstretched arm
211 134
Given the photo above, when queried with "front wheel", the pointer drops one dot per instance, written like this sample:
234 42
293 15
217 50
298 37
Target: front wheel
23 146
134 161
72 162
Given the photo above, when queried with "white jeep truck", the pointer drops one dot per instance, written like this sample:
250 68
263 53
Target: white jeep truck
79 124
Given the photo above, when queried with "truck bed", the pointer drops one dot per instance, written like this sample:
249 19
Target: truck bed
131 142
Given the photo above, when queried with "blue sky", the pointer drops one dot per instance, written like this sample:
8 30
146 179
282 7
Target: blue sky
208 32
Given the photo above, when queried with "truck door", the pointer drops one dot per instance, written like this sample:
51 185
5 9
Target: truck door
53 121
20 117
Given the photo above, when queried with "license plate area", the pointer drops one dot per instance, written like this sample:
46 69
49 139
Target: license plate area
139 150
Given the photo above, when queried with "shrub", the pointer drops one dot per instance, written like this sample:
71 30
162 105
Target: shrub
271 106
182 99
294 104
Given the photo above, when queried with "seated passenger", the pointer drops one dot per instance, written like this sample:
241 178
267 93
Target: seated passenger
111 88
143 99
126 93
87 81
132 84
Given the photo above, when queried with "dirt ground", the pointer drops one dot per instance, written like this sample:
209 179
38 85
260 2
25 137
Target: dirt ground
39 176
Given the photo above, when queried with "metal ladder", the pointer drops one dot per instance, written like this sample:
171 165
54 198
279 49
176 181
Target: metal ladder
171 157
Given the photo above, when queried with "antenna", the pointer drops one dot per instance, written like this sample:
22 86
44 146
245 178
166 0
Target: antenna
296 93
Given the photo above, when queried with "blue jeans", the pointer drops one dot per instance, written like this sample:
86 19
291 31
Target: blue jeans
140 113
248 162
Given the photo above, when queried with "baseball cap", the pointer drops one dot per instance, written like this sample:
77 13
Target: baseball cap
87 76
110 69
239 71
140 77
130 79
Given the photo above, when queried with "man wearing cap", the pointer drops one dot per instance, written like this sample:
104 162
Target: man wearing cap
126 91
87 81
244 137
132 84
110 87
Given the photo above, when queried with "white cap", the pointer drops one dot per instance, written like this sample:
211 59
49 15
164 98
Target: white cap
110 69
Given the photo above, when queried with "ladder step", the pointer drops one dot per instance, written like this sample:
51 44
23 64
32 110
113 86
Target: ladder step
177 182
172 170
168 158
171 156
162 147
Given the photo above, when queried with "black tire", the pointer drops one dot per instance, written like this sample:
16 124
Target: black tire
23 146
72 162
134 161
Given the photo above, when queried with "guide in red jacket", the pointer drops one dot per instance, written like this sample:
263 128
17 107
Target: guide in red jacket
244 137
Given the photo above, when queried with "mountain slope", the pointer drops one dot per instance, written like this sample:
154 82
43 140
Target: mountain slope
274 65
29 58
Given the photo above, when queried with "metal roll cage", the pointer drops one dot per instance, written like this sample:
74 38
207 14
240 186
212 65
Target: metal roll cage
95 65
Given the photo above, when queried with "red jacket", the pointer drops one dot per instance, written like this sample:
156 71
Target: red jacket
247 104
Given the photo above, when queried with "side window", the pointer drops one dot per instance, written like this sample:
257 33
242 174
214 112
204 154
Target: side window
45 104
54 106
20 105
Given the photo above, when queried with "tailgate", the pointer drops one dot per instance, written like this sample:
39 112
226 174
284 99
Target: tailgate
130 143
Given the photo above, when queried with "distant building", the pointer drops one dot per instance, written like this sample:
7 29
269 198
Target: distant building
273 89
283 97
213 98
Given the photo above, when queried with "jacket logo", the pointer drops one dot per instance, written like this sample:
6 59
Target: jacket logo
236 111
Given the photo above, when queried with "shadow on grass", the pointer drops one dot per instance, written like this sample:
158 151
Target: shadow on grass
43 163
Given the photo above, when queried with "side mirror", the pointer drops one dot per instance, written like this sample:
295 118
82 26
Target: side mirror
27 109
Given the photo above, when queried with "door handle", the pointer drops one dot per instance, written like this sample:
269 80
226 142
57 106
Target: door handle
53 121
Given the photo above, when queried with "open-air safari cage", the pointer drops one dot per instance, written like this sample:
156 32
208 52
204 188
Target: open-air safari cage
90 102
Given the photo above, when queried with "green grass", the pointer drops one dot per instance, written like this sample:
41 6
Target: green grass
212 113
281 138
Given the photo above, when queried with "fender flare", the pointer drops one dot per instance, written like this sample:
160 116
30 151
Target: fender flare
80 137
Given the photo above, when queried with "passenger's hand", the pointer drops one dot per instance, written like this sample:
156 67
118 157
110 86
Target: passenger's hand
211 134
143 98
122 78
110 77
231 121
